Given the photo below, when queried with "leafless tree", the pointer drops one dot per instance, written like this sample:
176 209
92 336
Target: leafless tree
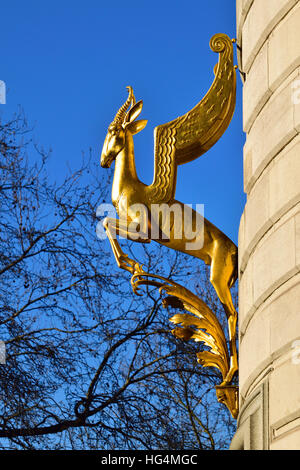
89 365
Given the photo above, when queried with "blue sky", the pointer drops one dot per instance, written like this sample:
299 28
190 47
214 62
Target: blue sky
67 64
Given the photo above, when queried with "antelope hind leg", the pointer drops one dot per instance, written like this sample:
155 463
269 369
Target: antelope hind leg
222 269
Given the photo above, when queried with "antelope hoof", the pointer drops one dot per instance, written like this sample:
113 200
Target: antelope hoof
229 376
138 269
130 265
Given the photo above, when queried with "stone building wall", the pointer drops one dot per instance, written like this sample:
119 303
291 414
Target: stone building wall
268 34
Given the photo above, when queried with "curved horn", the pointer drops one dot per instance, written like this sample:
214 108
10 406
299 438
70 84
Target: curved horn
120 116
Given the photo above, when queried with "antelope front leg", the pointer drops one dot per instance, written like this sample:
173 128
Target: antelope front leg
113 227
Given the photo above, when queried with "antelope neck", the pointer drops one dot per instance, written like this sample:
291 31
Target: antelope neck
125 171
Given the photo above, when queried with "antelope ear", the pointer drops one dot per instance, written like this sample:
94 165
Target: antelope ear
135 111
136 126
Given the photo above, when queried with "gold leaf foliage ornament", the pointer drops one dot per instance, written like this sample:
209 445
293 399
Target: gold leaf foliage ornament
200 325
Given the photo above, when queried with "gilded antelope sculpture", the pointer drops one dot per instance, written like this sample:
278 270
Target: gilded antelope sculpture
177 142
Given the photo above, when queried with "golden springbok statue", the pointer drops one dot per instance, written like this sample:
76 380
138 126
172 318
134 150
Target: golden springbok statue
177 142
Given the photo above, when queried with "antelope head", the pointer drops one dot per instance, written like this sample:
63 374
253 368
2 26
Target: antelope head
123 127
